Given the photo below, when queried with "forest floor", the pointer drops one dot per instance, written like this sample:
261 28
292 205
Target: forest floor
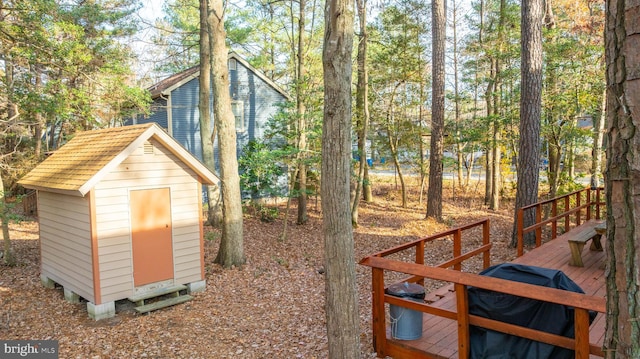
272 307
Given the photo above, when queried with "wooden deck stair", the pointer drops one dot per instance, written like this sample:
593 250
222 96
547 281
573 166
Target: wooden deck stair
168 296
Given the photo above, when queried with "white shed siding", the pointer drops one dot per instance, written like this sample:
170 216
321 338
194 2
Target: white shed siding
65 237
145 171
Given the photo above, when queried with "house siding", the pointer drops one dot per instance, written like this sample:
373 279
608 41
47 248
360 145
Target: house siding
65 242
260 102
140 171
158 115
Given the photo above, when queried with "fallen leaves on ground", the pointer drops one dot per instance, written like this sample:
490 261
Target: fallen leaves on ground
272 307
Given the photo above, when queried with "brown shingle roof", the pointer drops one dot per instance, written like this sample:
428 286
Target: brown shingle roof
78 165
170 81
176 80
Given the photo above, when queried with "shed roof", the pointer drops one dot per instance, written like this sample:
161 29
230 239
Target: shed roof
80 164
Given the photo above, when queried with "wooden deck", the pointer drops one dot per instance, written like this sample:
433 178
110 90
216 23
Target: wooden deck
440 335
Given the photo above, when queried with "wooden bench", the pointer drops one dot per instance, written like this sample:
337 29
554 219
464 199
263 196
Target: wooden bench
579 236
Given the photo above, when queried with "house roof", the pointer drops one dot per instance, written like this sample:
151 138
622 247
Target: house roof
80 164
168 84
172 82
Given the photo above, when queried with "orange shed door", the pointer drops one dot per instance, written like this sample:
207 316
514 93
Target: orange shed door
151 236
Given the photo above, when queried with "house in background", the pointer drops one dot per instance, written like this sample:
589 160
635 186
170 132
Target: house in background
255 99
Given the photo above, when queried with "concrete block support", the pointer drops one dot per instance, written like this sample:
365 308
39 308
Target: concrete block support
70 296
195 287
101 311
47 282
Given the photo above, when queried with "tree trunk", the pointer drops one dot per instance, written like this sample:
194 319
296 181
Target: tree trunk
530 111
490 143
488 176
496 188
438 28
214 213
393 147
496 155
343 322
622 335
38 126
302 124
8 257
555 153
231 252
362 107
598 136
456 92
393 139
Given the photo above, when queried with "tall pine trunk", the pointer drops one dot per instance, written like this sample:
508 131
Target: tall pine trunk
8 257
362 110
438 28
214 213
341 305
622 36
302 124
530 112
231 252
598 136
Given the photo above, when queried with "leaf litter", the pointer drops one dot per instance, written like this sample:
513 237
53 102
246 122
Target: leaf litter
271 307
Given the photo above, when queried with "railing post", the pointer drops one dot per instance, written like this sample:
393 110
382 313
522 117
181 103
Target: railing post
486 234
554 224
589 204
581 320
457 248
567 219
579 211
378 315
420 258
462 306
598 213
539 229
519 230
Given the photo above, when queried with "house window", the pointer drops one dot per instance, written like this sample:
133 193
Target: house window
238 112
233 64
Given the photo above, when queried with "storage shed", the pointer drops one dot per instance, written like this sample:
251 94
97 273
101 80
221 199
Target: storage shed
120 217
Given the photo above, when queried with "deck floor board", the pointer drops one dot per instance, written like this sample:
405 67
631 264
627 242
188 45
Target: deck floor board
440 337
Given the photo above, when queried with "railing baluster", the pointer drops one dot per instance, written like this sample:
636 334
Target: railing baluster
588 204
579 211
420 258
567 218
520 231
581 320
539 229
457 248
486 238
598 193
462 306
554 224
378 315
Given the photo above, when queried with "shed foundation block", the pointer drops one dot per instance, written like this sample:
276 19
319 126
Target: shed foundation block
47 282
195 287
101 311
70 296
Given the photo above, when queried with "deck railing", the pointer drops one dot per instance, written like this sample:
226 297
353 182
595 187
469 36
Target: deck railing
565 211
458 256
418 271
